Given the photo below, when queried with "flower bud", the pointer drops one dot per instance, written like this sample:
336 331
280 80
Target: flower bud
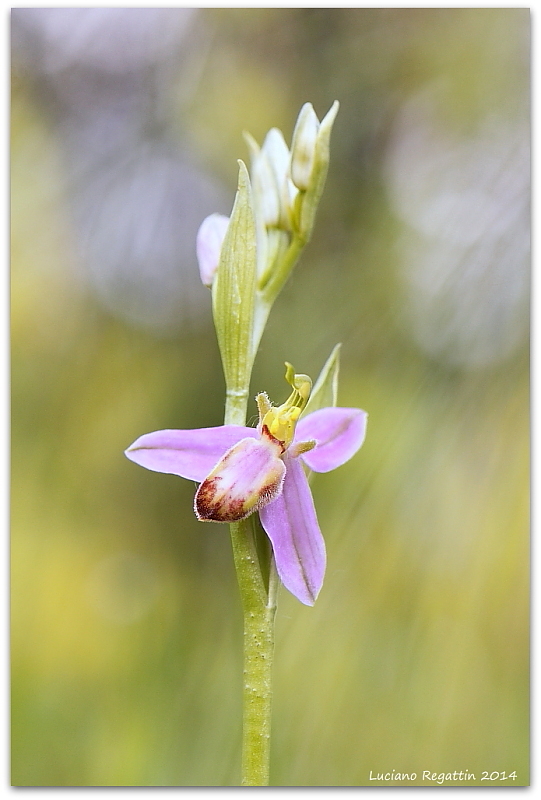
268 195
303 147
209 242
274 191
317 164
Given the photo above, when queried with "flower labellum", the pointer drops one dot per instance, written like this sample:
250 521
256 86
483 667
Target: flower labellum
210 238
242 470
249 475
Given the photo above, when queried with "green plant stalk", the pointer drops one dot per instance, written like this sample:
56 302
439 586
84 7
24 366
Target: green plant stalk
259 607
271 285
258 656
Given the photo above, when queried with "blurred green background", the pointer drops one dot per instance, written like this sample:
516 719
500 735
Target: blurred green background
126 625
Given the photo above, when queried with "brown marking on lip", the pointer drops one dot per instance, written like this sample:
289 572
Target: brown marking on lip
269 492
227 509
265 432
210 508
205 504
233 510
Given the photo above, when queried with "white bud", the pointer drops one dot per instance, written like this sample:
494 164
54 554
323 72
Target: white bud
278 200
278 153
210 237
266 190
303 147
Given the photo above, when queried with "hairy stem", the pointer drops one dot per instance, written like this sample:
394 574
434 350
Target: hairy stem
259 606
258 653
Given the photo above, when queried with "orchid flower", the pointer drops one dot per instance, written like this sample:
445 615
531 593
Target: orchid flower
242 470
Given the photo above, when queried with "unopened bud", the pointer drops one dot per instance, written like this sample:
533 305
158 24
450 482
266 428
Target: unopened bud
274 191
303 147
311 171
209 242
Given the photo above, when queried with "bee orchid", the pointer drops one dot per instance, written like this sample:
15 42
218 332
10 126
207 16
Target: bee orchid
242 470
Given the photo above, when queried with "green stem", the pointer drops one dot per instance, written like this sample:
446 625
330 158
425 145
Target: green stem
282 270
259 606
258 653
271 285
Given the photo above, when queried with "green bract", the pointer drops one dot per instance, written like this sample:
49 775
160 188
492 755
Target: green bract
233 293
325 391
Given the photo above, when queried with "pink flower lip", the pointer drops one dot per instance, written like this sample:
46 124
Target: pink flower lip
249 475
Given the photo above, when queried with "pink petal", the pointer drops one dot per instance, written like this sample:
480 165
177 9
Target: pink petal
208 245
339 432
190 453
291 524
249 475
